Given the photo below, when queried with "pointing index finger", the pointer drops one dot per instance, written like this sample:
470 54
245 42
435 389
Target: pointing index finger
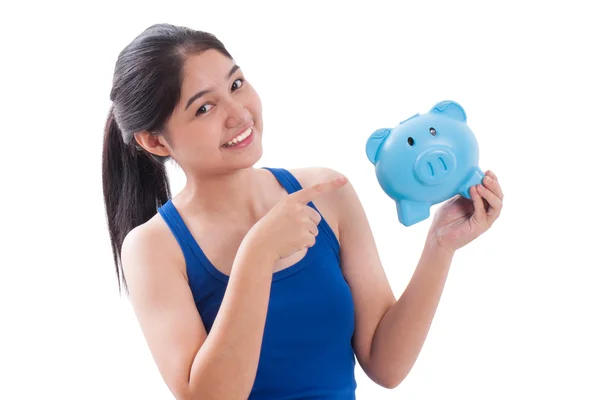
307 194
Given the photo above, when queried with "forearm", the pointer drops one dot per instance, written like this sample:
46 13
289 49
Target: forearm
226 365
402 331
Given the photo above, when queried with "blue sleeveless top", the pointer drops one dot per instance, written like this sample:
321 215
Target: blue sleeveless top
306 350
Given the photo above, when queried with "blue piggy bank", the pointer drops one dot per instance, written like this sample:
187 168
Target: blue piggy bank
425 160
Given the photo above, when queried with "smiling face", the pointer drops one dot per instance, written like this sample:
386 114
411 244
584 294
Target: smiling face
216 126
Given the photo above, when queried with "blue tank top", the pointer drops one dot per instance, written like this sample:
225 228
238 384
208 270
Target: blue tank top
306 350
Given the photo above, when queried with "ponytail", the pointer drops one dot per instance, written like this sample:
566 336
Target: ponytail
134 183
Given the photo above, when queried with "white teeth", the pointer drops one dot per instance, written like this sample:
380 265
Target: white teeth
239 138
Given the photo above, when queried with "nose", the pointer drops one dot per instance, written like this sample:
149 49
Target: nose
237 114
434 166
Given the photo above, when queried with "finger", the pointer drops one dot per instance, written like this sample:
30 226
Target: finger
494 201
491 175
311 241
308 194
494 186
314 216
313 229
478 207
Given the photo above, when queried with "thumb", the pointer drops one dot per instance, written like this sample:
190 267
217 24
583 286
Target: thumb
307 194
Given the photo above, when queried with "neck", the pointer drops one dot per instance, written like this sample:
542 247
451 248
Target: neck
237 196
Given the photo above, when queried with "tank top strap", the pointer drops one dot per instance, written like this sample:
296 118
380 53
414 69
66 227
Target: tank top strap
179 229
286 179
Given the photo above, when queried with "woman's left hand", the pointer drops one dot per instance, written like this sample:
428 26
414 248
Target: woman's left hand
460 220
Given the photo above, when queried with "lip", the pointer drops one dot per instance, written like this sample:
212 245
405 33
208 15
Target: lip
243 144
250 125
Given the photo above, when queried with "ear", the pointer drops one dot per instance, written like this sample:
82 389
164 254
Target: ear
451 109
152 143
374 142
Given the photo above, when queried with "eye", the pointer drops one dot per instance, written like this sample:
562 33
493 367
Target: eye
204 109
411 141
237 85
432 131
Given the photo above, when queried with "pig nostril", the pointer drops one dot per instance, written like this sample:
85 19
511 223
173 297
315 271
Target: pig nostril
430 169
443 164
411 141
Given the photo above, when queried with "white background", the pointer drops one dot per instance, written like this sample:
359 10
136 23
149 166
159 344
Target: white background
519 314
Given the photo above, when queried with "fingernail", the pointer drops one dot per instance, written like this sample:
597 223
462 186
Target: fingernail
487 179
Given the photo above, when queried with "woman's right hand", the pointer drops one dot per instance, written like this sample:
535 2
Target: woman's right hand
291 225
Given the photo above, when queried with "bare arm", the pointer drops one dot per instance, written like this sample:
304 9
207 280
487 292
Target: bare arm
402 331
221 365
389 333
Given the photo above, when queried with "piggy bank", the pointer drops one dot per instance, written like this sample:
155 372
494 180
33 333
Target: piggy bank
425 160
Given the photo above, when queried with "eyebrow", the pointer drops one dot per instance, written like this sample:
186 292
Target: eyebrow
203 92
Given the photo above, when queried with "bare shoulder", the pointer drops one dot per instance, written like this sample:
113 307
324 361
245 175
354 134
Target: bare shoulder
151 241
309 176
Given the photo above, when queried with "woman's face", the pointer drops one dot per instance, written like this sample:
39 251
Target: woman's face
217 125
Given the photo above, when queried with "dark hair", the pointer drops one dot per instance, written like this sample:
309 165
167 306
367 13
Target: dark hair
146 87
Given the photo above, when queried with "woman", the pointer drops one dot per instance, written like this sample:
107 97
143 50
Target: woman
258 283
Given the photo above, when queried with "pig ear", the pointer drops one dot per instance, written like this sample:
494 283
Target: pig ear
450 109
374 142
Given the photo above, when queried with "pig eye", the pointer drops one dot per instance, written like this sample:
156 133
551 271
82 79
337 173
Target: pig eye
432 131
411 141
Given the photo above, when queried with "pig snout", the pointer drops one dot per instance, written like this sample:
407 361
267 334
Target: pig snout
435 165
